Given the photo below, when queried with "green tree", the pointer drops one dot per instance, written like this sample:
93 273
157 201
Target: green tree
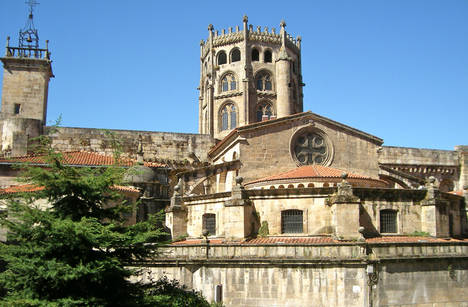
76 250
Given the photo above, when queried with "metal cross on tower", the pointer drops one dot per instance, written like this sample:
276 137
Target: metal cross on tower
28 37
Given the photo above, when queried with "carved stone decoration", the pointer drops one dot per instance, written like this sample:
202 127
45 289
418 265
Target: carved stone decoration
311 146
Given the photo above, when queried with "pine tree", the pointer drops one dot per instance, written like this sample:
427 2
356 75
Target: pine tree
76 250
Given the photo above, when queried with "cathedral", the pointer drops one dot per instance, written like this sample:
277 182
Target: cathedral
268 204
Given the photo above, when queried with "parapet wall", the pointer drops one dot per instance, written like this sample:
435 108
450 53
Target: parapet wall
418 156
402 274
156 145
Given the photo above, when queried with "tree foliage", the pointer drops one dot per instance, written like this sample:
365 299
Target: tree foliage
74 251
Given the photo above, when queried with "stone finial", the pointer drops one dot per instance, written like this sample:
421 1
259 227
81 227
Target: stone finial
230 30
205 232
237 28
283 23
8 41
273 30
265 30
239 180
245 19
344 175
223 31
210 27
202 42
140 150
251 28
299 38
259 29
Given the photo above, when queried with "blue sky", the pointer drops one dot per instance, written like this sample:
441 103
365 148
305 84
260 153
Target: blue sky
395 69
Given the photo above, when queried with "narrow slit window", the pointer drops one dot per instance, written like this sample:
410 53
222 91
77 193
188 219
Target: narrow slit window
17 108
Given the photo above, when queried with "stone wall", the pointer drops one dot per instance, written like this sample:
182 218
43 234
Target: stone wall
417 156
267 149
407 274
156 145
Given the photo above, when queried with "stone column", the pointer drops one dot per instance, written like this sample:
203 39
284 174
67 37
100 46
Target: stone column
283 67
176 215
238 213
434 212
345 212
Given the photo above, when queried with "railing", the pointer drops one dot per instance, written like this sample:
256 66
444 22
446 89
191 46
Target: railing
27 52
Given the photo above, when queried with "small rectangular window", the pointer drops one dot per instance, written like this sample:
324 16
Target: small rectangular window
17 108
291 221
209 223
388 221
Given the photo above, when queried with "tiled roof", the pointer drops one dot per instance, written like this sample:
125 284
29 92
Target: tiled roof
459 193
312 171
79 158
25 188
321 240
28 188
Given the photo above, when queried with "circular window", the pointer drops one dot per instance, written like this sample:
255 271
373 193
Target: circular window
311 147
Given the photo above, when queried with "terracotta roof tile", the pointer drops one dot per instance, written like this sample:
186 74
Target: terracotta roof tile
322 240
81 158
315 172
28 188
25 188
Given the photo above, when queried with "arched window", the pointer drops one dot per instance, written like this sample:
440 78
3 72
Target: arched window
255 55
267 56
264 111
209 223
222 58
235 55
228 117
233 119
291 221
228 83
263 82
388 221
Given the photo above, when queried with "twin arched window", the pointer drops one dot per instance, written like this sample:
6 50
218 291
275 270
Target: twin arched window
267 56
263 82
264 110
228 83
235 56
228 117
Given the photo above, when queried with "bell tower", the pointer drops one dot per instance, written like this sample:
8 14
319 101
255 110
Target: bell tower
26 74
248 75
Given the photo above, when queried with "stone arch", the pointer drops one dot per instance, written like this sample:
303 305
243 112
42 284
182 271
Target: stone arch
221 57
235 55
255 54
227 82
264 80
268 56
264 110
227 116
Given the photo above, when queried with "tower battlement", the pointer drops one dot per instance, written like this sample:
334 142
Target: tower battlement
254 33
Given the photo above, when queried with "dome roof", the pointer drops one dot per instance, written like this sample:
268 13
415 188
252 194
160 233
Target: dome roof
317 173
139 174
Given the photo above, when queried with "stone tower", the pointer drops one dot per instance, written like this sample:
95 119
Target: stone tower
247 76
26 75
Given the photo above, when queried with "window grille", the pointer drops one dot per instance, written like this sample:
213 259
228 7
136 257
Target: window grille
222 59
291 221
209 223
388 221
267 56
